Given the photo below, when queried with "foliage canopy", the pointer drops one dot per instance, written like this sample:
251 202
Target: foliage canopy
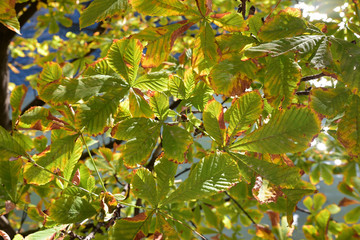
184 82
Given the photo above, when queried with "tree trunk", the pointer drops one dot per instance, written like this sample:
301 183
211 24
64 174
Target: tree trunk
4 78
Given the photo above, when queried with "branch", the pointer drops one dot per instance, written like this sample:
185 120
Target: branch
242 209
182 172
312 77
5 226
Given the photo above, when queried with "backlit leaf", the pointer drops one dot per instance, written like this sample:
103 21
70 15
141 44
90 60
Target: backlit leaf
214 123
51 72
160 7
99 10
9 178
205 50
204 6
288 130
16 100
282 78
286 23
214 173
155 81
165 175
9 147
232 22
243 113
160 40
159 104
138 106
124 57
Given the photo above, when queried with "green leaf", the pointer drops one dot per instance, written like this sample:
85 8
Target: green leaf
282 78
9 147
165 175
16 100
55 159
99 10
155 81
288 130
286 23
160 7
47 234
124 57
139 107
214 123
97 114
131 228
177 87
329 102
12 24
214 173
176 143
160 40
279 175
230 21
201 95
40 118
243 113
204 7
51 72
348 132
352 216
9 178
159 104
166 229
232 76
233 43
205 53
72 90
140 133
144 186
71 210
347 59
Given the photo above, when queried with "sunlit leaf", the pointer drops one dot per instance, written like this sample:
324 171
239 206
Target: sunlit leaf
165 175
138 106
9 147
232 22
288 130
155 81
16 100
214 173
99 10
214 122
160 7
160 40
159 104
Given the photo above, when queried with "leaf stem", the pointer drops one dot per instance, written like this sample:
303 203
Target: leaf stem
93 162
57 176
242 209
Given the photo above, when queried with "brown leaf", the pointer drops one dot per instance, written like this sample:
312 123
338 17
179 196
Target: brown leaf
346 202
9 206
76 178
274 218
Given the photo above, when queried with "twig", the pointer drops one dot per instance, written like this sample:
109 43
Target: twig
137 209
96 230
23 217
182 172
303 210
312 77
242 209
177 220
155 155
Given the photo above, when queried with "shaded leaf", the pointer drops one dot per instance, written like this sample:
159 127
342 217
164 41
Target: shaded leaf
232 76
176 143
165 175
288 130
348 132
9 178
144 186
9 147
71 210
138 106
204 6
141 135
329 102
47 234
